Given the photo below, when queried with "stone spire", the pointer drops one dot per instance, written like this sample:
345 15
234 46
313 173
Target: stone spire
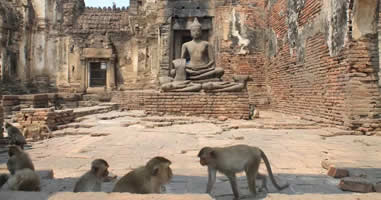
195 24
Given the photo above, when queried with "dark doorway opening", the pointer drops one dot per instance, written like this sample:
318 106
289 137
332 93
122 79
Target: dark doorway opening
97 74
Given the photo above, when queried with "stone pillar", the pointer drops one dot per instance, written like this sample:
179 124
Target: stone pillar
165 53
83 70
111 74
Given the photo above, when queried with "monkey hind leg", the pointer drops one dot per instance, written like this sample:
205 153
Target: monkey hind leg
263 178
251 175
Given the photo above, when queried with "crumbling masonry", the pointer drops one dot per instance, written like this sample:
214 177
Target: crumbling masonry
315 58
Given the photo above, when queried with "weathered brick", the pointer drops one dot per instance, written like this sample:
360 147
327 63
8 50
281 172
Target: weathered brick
356 184
337 172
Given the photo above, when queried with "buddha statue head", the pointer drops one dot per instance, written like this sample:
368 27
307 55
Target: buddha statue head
195 29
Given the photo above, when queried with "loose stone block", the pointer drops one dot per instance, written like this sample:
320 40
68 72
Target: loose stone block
337 172
356 184
377 187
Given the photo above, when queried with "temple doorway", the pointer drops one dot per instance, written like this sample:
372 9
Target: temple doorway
97 72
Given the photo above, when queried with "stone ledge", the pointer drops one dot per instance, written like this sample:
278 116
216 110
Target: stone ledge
127 196
99 195
43 173
351 196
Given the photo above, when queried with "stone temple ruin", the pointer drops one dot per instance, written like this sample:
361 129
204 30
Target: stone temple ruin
317 59
313 58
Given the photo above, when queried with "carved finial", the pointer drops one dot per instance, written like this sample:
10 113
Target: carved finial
195 23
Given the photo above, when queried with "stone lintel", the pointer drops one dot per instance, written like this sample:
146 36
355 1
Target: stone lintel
97 53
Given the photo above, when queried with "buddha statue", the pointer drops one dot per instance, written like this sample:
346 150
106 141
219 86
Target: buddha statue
201 65
200 72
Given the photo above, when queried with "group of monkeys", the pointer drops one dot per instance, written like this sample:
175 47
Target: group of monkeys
151 177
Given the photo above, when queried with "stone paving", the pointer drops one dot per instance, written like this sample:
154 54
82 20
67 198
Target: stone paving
128 139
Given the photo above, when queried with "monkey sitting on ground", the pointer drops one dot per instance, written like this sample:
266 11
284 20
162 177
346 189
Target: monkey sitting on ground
146 179
92 180
37 132
23 180
15 135
18 160
235 159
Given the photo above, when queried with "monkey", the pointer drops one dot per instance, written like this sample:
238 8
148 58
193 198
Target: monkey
18 160
253 112
37 132
15 135
146 179
23 180
92 180
235 159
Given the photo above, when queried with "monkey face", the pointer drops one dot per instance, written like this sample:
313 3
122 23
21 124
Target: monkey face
163 173
207 156
100 168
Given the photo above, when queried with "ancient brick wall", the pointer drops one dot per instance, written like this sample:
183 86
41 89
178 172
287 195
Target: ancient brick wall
319 71
314 87
101 20
362 91
44 117
240 45
233 105
311 9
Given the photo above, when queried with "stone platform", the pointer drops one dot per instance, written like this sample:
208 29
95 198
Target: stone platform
99 195
233 105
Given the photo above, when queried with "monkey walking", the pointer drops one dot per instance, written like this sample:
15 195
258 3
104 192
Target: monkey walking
235 159
15 135
23 180
92 180
146 179
18 160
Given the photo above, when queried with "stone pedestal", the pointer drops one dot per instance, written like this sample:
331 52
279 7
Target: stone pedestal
233 105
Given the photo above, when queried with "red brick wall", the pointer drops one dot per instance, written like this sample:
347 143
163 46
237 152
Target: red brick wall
310 10
338 90
362 94
233 105
251 16
314 87
278 18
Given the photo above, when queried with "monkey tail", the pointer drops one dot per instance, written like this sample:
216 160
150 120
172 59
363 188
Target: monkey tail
267 163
